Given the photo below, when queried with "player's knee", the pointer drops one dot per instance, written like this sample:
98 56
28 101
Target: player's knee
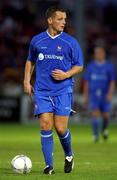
45 125
105 116
96 114
60 130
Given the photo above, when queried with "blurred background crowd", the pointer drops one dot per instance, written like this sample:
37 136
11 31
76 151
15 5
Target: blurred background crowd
91 23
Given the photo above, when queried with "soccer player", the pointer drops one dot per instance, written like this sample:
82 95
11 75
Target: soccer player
99 85
57 57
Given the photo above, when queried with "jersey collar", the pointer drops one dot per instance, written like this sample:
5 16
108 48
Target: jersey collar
100 63
53 37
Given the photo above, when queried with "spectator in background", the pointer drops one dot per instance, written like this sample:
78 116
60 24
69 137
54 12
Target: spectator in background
99 85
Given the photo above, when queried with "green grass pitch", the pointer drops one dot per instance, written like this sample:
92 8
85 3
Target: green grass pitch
92 161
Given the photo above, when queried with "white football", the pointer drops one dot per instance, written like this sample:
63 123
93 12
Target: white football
21 164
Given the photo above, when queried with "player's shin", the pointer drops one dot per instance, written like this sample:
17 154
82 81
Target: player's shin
96 126
65 140
47 146
105 124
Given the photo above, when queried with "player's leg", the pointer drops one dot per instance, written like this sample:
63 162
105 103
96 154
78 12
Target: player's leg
105 124
95 124
62 112
94 107
61 125
46 125
106 107
44 109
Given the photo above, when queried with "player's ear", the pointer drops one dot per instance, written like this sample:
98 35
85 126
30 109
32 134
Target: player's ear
49 20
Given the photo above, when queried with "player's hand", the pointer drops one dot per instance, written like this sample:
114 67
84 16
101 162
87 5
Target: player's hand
28 88
85 101
109 96
58 74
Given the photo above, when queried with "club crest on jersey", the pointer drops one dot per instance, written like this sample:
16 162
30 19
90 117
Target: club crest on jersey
59 48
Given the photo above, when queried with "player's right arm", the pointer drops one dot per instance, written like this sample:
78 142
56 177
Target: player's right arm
29 68
86 85
85 92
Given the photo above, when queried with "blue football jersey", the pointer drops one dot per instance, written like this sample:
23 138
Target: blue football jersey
99 77
50 53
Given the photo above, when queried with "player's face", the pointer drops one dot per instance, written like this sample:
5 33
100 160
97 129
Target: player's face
99 54
58 21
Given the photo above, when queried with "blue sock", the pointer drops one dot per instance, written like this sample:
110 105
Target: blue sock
105 124
65 140
47 146
95 125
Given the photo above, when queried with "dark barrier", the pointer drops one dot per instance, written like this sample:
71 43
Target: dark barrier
9 109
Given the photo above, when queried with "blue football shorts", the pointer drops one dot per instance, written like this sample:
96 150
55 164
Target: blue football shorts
59 105
100 104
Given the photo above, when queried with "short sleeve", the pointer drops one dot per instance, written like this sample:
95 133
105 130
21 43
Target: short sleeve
77 56
32 55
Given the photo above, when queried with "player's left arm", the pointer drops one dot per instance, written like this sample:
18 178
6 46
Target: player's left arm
111 90
73 71
58 74
76 62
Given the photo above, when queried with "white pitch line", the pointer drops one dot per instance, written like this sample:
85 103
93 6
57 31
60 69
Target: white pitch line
87 163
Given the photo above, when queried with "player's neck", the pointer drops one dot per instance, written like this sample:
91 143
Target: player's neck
52 32
100 62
